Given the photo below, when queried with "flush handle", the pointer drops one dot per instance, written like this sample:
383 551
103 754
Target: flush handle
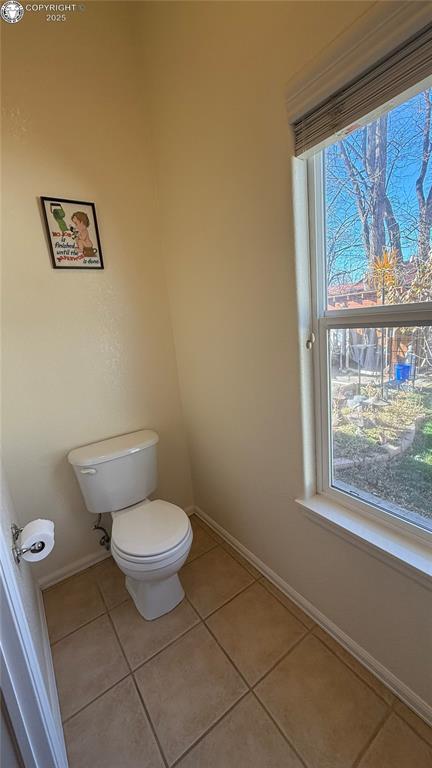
87 471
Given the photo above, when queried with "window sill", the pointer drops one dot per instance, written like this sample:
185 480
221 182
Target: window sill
411 555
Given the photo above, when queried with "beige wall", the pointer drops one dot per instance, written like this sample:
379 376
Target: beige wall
85 354
218 73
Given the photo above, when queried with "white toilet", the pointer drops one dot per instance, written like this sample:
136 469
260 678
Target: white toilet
150 540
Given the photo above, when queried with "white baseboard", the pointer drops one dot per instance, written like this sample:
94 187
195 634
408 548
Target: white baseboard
72 568
189 510
408 696
50 676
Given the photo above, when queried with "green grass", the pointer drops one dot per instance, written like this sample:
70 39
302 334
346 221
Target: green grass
423 444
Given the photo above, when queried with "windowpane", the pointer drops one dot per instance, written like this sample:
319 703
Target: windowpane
378 210
381 417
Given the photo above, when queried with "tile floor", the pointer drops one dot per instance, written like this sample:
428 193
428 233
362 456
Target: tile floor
236 676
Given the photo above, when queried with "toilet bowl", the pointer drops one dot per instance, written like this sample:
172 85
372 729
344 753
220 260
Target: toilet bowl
150 540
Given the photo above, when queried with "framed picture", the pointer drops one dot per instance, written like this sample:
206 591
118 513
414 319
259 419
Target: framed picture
73 234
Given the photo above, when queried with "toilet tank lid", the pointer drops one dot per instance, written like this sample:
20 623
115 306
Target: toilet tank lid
113 448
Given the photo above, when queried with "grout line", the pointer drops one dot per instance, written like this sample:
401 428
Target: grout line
227 656
203 525
108 608
201 554
118 640
101 594
168 645
354 671
263 579
411 727
198 557
90 620
370 741
62 582
210 728
283 657
117 605
243 589
282 733
240 559
146 712
221 546
99 696
150 722
106 611
229 549
77 629
83 571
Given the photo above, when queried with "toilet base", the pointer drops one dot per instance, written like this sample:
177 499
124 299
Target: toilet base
154 598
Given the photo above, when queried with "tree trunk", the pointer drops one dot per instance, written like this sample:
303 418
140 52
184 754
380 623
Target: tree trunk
376 165
359 197
424 203
393 230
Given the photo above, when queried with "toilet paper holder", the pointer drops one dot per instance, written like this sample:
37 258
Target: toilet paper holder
17 551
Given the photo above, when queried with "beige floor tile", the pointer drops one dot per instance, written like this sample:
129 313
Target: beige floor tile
111 582
325 710
186 688
245 738
242 560
423 729
202 540
298 613
87 663
397 746
207 528
255 630
355 665
71 604
141 639
111 732
213 579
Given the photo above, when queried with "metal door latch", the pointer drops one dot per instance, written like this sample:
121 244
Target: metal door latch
310 341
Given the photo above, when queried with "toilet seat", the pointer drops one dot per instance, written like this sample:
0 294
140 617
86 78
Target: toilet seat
152 564
150 532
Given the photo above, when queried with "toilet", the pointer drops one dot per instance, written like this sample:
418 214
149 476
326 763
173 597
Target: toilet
150 540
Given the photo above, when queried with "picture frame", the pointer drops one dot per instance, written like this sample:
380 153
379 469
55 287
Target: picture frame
73 233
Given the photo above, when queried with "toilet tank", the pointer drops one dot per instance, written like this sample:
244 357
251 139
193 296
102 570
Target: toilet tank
118 472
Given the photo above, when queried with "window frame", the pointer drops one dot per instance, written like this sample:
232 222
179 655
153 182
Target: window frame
322 321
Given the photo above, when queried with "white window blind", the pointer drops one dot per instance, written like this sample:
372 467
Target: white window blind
402 69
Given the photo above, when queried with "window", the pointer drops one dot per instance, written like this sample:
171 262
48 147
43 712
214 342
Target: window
371 222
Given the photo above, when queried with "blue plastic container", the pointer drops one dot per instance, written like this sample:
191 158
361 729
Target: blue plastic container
402 371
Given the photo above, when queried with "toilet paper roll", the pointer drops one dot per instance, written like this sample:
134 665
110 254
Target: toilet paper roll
39 537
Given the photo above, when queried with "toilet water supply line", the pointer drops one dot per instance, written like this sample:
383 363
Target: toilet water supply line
104 541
